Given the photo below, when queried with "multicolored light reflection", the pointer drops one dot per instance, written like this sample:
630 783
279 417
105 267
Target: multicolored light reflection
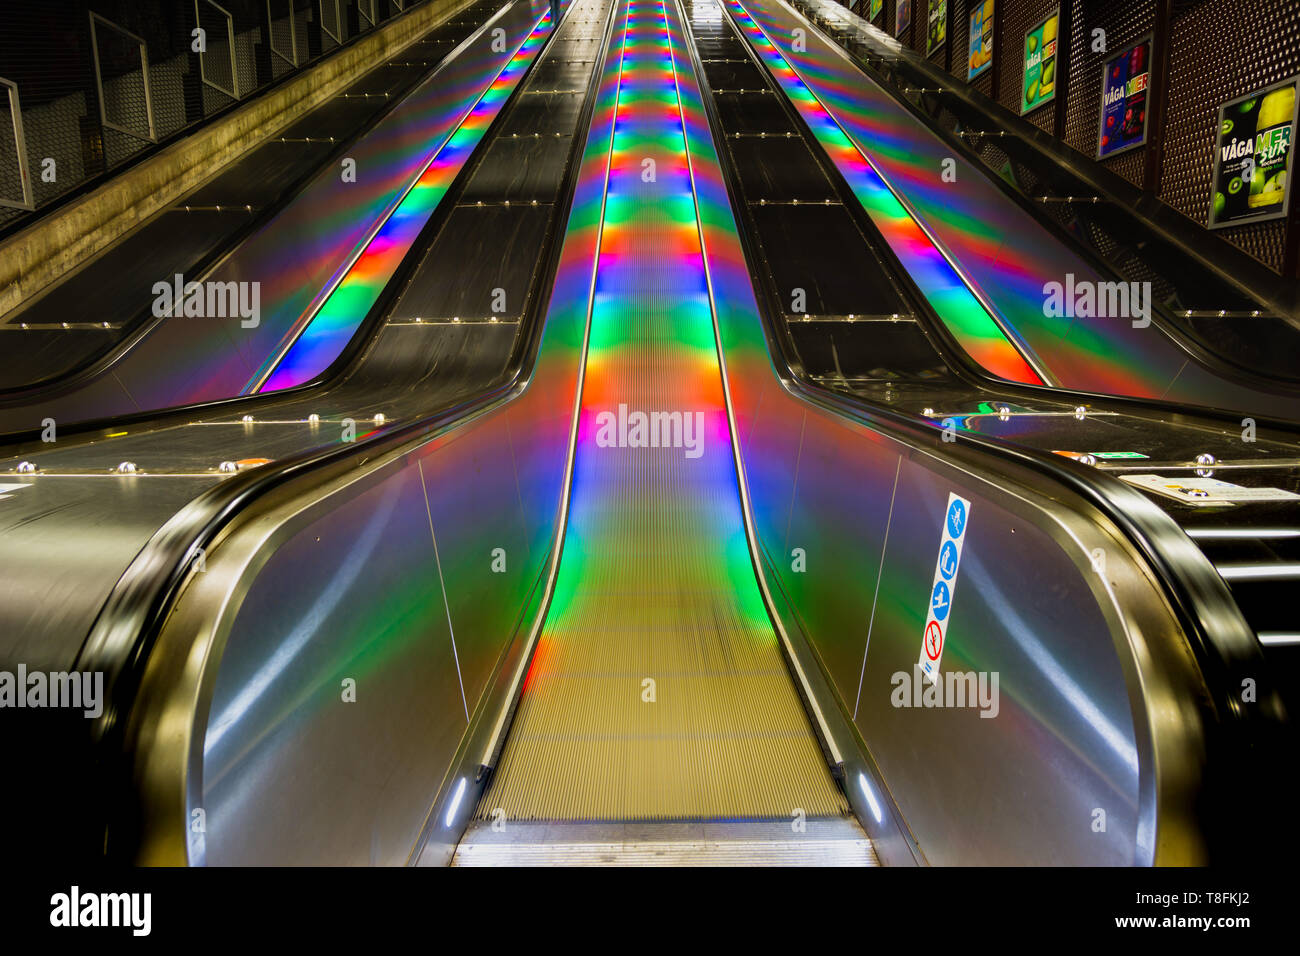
337 320
952 300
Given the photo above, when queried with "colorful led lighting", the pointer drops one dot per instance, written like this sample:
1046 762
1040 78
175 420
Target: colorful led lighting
324 336
651 346
951 298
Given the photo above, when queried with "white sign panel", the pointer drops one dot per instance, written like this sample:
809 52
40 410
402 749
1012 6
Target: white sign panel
944 586
1206 491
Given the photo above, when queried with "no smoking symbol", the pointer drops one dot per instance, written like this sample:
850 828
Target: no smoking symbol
933 640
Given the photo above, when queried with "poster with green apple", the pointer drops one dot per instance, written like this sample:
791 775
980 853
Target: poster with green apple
1039 85
1252 156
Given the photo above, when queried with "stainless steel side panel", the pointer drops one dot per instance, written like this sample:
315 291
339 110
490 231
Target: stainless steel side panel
309 695
1093 748
312 686
1090 752
290 752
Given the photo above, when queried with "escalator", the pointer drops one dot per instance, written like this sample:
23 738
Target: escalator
657 691
1225 302
1089 332
905 357
660 588
188 307
148 491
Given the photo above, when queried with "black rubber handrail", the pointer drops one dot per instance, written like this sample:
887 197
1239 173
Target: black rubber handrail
1206 251
1246 741
139 326
128 624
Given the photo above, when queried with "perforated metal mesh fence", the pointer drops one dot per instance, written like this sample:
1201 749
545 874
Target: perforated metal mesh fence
101 82
15 181
1220 51
217 52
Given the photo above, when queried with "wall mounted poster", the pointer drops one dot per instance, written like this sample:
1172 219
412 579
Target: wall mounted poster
902 16
936 25
1039 84
1252 157
980 53
1124 82
874 10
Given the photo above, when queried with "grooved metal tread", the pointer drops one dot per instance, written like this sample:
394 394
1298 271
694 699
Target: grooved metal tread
838 842
658 690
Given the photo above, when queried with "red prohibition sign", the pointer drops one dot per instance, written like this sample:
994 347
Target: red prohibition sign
933 640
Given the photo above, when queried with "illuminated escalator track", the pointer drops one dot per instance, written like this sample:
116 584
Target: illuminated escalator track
325 333
658 690
972 324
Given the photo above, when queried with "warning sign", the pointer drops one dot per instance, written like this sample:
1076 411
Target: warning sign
937 620
933 640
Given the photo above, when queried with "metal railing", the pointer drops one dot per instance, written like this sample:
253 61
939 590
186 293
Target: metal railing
128 76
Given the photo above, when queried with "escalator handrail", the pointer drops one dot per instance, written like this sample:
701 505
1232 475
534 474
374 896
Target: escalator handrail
144 322
130 619
1225 652
1183 338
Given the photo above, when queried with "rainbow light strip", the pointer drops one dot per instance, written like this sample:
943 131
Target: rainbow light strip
651 346
326 334
655 575
957 306
1004 251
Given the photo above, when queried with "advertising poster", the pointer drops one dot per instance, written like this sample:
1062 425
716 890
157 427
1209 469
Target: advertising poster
936 21
1039 85
874 9
1125 79
1252 156
980 55
902 16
